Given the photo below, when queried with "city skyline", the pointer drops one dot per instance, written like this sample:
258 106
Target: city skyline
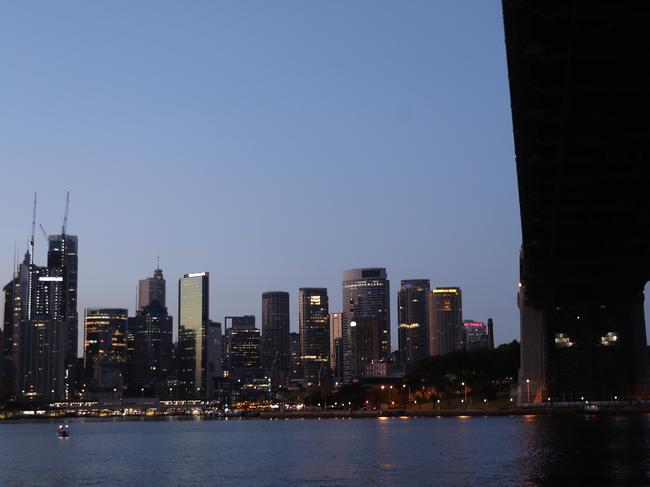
185 168
272 116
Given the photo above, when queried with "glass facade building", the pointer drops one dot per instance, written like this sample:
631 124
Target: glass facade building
276 354
105 347
366 299
314 331
193 306
414 314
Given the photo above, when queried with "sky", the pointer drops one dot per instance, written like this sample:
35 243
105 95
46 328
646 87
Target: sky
273 144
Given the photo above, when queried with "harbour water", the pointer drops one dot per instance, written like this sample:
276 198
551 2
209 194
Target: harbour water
487 451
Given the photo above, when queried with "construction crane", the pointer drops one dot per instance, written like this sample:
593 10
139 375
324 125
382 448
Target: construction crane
45 234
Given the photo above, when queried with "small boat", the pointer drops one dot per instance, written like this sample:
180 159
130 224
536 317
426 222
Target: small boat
63 431
591 408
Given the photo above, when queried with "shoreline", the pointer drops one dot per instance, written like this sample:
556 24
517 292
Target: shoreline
342 414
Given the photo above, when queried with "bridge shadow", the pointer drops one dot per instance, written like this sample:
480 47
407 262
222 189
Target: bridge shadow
587 450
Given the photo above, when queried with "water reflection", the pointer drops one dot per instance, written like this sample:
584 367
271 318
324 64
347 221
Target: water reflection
586 450
452 451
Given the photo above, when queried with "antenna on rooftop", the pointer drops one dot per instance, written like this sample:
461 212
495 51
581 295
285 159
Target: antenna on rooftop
64 227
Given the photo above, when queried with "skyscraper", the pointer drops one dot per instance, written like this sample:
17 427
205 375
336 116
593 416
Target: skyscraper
366 296
276 354
214 351
105 347
414 312
446 334
475 335
152 357
242 344
336 352
294 348
365 346
193 306
63 261
42 312
12 316
314 331
41 339
152 289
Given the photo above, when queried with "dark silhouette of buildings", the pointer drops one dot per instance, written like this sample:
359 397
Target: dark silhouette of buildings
414 315
490 330
314 331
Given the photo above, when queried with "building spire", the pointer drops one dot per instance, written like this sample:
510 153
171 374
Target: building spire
31 239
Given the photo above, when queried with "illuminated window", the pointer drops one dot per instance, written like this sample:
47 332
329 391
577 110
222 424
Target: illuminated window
563 340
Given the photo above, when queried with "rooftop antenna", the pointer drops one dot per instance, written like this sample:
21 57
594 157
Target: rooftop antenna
158 263
31 263
64 227
31 240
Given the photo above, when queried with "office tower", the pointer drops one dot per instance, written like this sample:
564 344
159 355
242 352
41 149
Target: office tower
413 302
40 341
193 306
366 296
314 331
275 331
242 344
490 326
12 316
446 334
62 261
152 289
214 351
42 313
151 335
336 350
294 350
475 335
105 347
365 345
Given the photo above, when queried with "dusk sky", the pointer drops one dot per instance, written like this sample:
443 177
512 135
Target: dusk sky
273 144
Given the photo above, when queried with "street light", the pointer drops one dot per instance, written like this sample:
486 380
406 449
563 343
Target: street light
528 388
465 386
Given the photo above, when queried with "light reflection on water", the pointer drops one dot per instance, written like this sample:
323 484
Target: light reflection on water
513 450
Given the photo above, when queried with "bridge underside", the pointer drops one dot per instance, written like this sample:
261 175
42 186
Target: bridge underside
580 94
